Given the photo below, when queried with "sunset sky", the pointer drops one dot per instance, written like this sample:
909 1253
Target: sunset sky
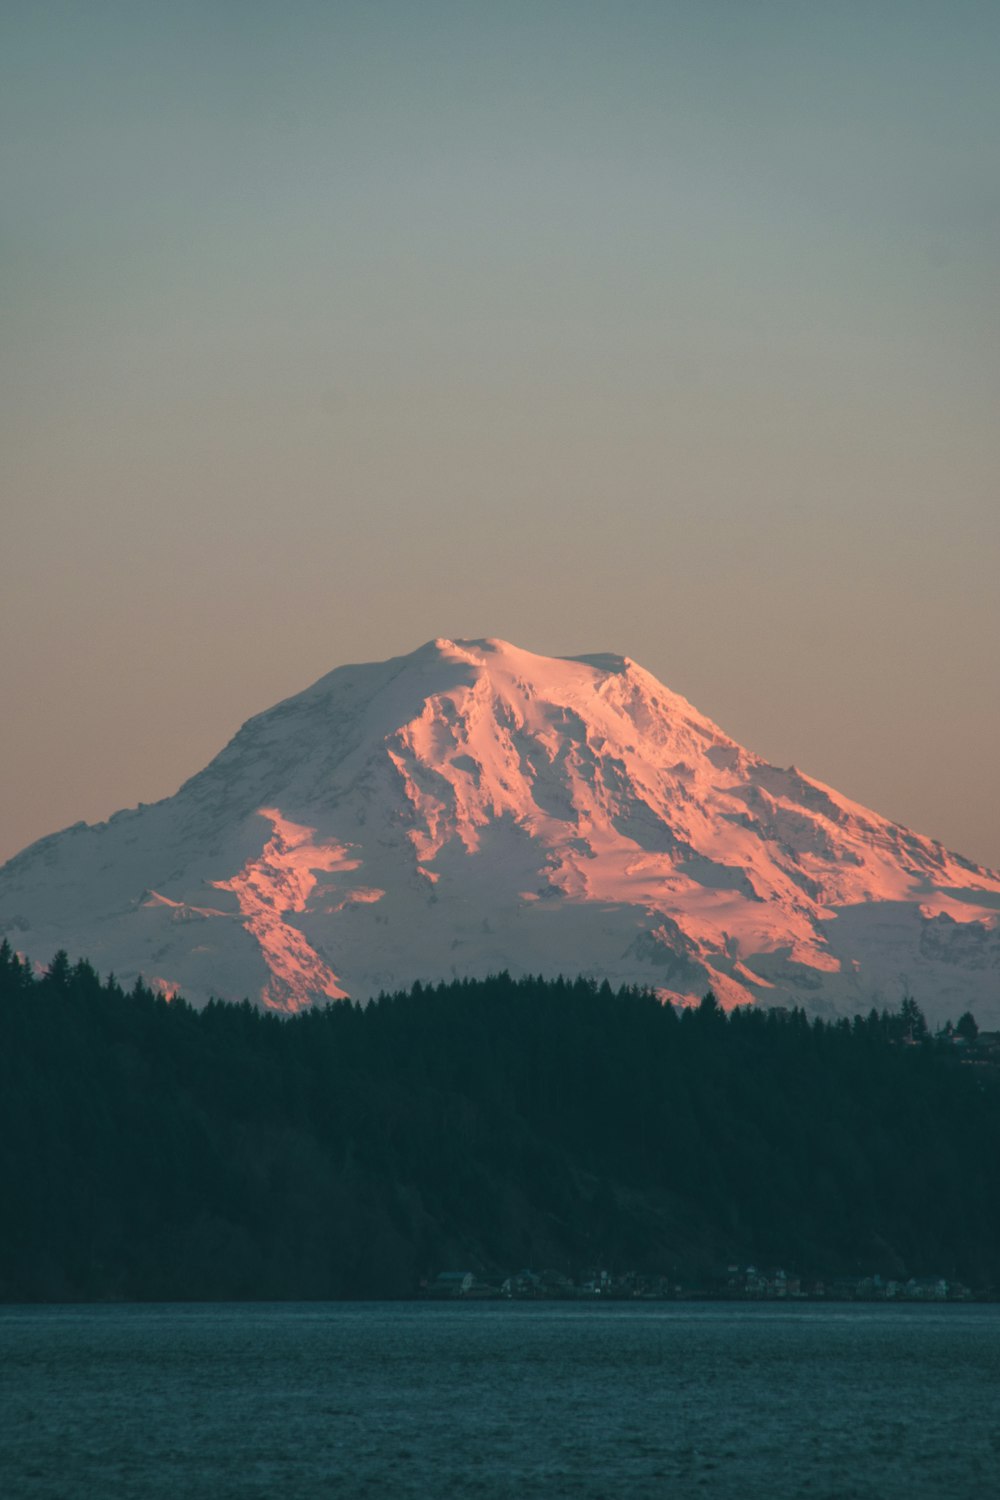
670 329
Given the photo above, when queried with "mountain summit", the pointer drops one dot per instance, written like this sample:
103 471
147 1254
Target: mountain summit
473 807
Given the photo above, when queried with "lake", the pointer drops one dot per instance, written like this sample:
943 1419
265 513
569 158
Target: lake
499 1400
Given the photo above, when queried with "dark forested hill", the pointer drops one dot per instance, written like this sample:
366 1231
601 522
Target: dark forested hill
148 1150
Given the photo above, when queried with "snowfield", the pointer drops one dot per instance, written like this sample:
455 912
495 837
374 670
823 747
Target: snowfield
474 807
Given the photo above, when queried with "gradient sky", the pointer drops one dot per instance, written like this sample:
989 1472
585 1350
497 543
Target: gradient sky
667 329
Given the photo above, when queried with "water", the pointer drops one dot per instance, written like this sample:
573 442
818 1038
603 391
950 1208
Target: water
499 1400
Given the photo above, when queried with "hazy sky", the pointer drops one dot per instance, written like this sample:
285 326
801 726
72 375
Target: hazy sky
667 329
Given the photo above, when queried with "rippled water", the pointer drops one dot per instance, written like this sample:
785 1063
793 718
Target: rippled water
500 1400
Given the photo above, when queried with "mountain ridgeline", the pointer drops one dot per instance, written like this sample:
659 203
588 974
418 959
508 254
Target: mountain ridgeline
472 808
152 1150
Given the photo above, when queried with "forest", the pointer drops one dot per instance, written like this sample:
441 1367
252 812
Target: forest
149 1150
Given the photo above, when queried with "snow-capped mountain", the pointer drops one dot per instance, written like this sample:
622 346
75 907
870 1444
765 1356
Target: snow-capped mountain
474 807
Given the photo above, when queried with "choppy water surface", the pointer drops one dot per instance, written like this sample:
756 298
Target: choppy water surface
492 1400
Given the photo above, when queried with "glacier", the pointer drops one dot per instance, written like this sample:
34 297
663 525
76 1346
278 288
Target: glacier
472 807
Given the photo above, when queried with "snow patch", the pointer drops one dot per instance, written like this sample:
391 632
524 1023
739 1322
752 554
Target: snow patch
272 887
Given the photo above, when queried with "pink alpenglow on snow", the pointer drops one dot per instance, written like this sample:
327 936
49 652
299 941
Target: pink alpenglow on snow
474 807
269 889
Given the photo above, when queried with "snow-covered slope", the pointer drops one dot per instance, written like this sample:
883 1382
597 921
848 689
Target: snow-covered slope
473 807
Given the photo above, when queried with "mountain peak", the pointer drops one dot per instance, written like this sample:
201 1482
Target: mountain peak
473 806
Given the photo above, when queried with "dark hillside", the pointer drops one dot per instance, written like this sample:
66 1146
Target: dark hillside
148 1150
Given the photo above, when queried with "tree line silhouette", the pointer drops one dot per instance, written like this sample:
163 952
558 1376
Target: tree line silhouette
151 1150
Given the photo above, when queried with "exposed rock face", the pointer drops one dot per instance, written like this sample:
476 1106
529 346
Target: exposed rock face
473 807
